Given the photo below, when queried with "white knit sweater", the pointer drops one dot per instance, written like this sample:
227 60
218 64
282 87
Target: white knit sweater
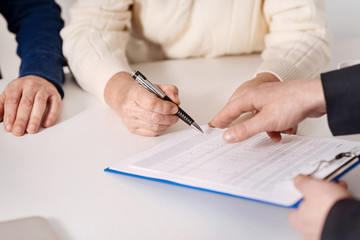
104 36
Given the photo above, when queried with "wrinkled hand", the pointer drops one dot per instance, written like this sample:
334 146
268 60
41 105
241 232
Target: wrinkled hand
279 106
319 197
142 112
24 103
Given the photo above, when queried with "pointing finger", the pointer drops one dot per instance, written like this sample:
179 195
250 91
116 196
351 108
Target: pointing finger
231 112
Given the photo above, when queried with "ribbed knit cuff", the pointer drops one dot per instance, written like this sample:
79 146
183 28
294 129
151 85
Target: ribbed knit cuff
101 72
282 69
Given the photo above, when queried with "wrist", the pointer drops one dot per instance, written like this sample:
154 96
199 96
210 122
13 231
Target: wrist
116 86
316 98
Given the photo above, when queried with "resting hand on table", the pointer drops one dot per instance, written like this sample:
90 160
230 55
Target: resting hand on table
27 102
142 112
319 197
279 107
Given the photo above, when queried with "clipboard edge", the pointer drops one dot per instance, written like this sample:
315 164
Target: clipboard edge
295 205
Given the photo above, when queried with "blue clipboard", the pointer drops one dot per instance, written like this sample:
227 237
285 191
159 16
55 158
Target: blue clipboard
333 176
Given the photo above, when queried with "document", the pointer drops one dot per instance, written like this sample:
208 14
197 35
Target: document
256 169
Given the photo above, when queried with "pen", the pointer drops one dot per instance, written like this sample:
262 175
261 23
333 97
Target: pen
140 78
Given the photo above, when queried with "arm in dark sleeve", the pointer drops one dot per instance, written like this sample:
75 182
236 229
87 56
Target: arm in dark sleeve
343 221
37 24
341 89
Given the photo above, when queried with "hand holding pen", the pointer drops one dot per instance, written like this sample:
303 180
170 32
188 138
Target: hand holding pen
141 111
140 78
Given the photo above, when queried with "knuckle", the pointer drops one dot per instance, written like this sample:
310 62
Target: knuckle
11 100
13 85
175 89
240 130
35 119
9 117
157 128
167 108
155 118
151 105
32 84
27 101
41 100
174 119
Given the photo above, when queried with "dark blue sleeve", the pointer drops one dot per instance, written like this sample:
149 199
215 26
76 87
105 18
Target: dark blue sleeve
37 25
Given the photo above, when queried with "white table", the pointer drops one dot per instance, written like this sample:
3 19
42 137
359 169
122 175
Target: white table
58 173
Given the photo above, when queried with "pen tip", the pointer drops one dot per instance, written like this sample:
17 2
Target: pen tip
197 127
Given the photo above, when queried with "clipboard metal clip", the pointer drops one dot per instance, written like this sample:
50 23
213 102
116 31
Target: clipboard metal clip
337 157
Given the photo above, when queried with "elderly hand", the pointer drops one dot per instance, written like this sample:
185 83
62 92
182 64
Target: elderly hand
142 112
319 197
27 102
279 106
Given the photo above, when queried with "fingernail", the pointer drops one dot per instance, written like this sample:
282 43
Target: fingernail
17 130
32 128
229 135
210 125
48 123
8 127
174 109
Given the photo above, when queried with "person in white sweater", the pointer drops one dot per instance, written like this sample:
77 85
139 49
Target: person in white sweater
105 36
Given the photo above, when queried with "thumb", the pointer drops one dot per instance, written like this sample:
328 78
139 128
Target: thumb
302 182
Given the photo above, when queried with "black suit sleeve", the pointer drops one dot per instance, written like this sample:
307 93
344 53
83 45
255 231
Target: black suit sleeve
343 221
342 95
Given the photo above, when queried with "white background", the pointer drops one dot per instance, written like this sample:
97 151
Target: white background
343 16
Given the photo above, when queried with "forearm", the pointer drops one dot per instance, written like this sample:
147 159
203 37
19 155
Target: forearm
95 42
297 46
37 24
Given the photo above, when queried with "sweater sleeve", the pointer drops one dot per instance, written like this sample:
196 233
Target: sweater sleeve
37 24
95 42
343 221
297 45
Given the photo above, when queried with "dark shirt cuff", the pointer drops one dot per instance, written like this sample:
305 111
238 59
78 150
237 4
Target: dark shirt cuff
343 221
46 66
341 90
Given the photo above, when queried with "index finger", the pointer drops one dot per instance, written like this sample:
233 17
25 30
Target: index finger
150 102
247 128
232 111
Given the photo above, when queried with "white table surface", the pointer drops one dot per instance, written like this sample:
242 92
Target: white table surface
58 173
